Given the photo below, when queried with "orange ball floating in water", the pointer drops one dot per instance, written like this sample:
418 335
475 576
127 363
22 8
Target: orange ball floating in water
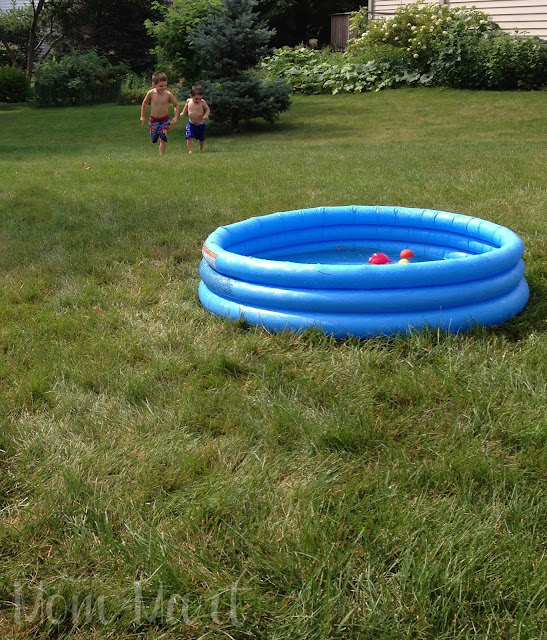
407 253
378 258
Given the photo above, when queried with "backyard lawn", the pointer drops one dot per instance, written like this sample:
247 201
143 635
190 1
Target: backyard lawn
168 474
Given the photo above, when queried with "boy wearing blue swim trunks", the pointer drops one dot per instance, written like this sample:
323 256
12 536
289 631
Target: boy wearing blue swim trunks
159 99
198 111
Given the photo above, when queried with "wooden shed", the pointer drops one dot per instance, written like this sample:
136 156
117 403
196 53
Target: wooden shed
529 16
339 30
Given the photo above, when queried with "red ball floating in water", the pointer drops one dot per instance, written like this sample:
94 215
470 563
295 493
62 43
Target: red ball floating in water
407 253
379 258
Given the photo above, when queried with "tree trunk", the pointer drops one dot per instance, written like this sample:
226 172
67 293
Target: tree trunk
10 53
36 11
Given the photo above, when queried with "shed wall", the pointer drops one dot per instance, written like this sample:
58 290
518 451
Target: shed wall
339 30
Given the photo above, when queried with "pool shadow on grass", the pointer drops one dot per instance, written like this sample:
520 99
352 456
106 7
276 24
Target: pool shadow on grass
532 319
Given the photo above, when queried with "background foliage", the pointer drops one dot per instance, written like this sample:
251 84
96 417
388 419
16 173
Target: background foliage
457 47
422 45
78 79
174 49
14 85
115 30
133 89
14 30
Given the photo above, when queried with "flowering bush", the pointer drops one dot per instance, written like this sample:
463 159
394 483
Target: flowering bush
458 47
423 29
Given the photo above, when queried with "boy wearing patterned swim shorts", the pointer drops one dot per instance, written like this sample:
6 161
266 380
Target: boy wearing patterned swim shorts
198 111
159 99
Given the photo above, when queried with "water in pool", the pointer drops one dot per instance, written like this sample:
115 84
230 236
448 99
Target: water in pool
343 255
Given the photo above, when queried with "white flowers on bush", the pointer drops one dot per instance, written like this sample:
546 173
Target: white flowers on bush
420 28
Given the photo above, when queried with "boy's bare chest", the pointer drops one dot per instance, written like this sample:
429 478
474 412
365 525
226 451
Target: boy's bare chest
160 99
196 110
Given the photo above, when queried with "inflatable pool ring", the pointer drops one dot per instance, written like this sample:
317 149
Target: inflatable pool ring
309 268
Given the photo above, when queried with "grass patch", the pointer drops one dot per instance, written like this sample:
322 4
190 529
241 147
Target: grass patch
168 474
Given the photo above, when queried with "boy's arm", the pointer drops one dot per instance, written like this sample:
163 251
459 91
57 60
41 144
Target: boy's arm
185 110
175 104
207 110
144 106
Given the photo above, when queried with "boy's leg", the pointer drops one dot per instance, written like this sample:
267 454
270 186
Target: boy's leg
201 145
163 146
190 143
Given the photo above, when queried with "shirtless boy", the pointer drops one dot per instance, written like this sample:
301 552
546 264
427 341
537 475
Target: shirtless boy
198 111
159 99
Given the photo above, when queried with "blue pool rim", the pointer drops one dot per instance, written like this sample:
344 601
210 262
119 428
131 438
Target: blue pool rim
474 276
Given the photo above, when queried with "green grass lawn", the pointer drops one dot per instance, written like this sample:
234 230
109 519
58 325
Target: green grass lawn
167 474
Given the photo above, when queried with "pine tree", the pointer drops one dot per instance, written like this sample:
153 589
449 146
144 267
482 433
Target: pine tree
231 43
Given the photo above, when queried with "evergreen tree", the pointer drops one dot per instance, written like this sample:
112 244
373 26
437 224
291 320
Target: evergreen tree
231 43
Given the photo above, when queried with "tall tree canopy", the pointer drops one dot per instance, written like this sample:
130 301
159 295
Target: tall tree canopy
115 30
28 32
14 30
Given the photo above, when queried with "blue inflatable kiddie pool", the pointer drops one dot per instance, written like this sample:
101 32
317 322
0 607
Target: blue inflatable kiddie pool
312 268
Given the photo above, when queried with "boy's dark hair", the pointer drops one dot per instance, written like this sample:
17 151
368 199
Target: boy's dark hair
160 76
196 90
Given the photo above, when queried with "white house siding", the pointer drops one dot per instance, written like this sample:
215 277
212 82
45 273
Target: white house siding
6 5
525 15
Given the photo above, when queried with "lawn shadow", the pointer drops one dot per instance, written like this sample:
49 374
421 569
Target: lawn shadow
215 129
12 106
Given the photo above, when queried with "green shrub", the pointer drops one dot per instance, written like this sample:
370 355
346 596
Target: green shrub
14 86
174 51
510 62
387 53
527 62
7 60
77 79
133 89
358 22
369 69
